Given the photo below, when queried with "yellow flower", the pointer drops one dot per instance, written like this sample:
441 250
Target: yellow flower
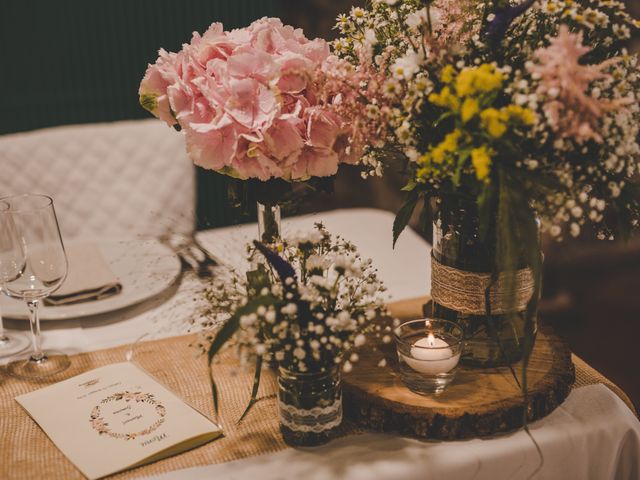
488 79
445 99
448 146
482 79
447 74
464 82
470 109
450 142
439 153
524 115
493 121
481 160
423 173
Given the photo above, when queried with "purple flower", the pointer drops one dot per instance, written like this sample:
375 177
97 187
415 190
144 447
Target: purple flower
503 17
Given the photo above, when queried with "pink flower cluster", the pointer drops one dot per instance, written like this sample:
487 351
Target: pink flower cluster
571 110
251 102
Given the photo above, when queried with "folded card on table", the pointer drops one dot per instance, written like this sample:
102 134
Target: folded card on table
116 417
89 277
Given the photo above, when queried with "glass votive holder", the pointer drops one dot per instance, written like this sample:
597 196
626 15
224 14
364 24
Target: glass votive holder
428 354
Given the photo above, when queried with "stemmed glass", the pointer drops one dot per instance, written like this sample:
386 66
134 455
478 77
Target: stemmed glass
33 264
10 343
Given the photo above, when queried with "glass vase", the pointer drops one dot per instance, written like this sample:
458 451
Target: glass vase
467 290
269 223
310 406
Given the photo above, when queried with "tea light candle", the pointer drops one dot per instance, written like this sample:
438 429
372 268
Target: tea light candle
431 355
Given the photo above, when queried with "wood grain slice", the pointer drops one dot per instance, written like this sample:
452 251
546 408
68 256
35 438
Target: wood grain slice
479 402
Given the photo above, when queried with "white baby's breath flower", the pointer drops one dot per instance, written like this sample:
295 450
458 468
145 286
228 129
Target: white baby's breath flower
289 309
576 211
403 132
408 65
417 19
412 154
358 14
574 229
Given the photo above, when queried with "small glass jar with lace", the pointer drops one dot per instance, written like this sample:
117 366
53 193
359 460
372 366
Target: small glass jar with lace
309 406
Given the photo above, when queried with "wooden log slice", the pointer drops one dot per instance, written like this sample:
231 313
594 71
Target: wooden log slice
479 402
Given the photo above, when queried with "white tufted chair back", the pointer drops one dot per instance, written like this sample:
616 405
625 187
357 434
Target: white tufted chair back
117 180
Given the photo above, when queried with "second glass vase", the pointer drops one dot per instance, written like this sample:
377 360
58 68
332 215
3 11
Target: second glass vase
462 270
269 223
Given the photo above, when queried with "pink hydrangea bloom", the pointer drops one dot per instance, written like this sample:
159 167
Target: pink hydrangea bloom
564 83
252 102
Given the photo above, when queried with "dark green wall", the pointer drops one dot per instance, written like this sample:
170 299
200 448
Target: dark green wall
79 61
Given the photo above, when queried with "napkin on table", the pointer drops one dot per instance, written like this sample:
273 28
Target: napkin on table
89 278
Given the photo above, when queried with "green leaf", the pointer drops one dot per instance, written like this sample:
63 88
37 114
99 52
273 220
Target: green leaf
409 187
442 118
485 210
259 278
462 159
227 331
518 243
149 101
254 389
404 214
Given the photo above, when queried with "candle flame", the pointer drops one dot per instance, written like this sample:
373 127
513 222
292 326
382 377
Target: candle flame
427 323
431 340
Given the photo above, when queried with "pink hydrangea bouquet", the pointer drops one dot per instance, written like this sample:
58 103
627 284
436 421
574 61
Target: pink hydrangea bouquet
258 102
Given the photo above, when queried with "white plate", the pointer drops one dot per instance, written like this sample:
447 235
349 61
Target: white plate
145 269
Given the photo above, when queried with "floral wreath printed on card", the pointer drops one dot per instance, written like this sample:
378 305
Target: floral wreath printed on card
102 426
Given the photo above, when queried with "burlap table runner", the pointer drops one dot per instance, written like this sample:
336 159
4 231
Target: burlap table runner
27 453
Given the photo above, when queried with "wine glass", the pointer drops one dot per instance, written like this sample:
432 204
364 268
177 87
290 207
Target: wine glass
33 264
10 343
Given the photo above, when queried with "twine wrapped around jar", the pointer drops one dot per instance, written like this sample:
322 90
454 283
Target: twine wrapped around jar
464 291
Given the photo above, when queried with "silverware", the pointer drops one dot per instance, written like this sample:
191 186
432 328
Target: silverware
205 264
207 256
191 255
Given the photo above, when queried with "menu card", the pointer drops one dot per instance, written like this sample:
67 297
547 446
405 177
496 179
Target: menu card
116 417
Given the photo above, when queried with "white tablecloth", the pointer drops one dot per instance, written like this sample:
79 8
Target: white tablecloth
589 437
593 435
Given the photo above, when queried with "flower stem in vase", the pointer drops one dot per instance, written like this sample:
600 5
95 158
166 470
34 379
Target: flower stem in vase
269 222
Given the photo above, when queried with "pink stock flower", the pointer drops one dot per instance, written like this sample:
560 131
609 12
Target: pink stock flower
252 102
572 112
